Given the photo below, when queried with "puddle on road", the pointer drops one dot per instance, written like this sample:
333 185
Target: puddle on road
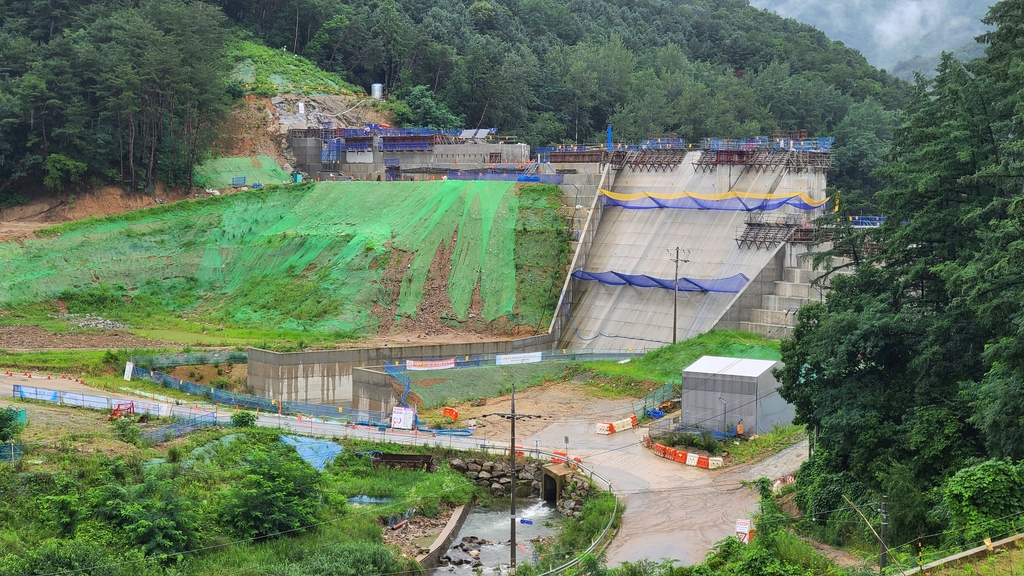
493 525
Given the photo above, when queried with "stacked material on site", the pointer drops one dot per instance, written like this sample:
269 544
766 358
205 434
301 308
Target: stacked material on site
731 285
618 425
732 200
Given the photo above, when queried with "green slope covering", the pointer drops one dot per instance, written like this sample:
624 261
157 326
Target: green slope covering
219 172
307 257
266 71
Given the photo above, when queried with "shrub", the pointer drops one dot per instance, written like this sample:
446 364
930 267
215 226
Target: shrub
175 454
243 419
126 431
279 494
10 427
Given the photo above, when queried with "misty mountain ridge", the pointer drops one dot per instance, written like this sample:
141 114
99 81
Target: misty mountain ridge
902 35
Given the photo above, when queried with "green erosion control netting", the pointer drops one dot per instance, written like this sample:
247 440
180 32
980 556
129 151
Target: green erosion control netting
301 257
219 173
440 387
542 254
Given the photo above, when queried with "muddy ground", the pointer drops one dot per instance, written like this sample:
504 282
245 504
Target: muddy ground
26 338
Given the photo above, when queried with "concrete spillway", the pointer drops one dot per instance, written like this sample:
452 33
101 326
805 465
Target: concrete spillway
608 317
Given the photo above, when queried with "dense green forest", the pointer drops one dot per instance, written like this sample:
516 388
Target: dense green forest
912 371
131 92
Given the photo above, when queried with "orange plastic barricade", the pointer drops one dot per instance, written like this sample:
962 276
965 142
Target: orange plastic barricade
659 450
647 440
702 462
519 451
681 456
633 419
556 460
452 413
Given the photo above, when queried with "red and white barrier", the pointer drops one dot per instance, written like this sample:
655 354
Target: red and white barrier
684 457
617 426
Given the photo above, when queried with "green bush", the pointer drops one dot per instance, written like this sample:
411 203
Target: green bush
127 431
243 419
984 501
278 495
10 427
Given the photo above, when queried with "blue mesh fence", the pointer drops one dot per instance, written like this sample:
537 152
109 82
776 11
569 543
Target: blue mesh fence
177 429
265 404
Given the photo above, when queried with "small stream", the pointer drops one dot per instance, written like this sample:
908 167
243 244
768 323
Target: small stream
493 525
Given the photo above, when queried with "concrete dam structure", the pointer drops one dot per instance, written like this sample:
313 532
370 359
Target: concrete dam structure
726 219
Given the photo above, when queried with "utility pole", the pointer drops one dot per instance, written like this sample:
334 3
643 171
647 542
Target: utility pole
882 560
675 293
512 472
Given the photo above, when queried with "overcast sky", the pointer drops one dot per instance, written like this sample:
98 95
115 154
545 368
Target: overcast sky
888 31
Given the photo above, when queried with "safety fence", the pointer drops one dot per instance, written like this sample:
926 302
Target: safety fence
177 429
85 401
220 396
655 399
11 452
190 359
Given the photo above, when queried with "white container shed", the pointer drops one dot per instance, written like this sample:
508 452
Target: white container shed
719 393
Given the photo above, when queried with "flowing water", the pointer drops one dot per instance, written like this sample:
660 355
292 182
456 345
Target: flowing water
493 525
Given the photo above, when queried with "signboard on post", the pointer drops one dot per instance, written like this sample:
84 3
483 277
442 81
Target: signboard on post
744 531
403 418
128 367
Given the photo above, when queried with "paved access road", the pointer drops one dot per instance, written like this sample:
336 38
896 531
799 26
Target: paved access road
672 510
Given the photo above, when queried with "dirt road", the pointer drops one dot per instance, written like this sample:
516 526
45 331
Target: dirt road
672 510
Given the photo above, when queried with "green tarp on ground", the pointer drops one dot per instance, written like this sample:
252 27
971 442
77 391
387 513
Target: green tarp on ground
218 174
300 257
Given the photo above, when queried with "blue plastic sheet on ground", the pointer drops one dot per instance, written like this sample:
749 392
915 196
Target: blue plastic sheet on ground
729 285
319 453
368 500
656 414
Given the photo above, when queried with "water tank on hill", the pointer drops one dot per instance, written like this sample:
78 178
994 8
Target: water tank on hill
377 90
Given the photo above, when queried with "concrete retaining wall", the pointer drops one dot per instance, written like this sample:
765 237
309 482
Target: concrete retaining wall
325 377
430 560
374 390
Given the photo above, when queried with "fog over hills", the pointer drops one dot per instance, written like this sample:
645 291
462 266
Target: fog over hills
888 32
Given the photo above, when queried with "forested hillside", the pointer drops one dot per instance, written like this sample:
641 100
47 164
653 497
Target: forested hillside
912 371
104 91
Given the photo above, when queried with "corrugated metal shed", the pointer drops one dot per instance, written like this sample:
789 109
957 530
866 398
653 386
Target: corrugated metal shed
719 393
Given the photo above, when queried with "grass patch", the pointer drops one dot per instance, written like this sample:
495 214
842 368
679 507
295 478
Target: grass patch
780 438
666 363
